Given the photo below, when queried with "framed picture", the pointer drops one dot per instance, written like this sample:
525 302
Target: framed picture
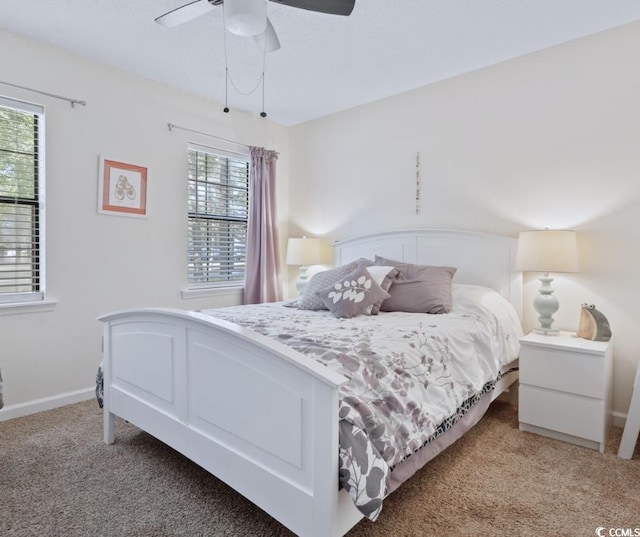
122 188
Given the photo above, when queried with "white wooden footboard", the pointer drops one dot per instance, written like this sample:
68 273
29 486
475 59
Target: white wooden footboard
258 415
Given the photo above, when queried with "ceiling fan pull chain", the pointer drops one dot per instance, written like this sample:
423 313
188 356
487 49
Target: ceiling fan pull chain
264 63
263 113
226 90
246 93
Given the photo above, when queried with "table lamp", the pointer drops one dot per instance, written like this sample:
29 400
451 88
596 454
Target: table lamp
546 251
305 252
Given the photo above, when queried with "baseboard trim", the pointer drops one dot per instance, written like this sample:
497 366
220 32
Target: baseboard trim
49 403
46 403
619 418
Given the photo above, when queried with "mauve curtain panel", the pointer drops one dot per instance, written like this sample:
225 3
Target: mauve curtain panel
262 275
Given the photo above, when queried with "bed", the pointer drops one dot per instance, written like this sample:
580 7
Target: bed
230 392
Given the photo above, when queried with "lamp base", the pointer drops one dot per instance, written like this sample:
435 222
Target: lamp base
546 332
546 304
301 282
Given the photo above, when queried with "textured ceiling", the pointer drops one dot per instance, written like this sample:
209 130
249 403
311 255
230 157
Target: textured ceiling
326 63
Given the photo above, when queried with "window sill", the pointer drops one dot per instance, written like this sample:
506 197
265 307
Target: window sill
16 308
235 292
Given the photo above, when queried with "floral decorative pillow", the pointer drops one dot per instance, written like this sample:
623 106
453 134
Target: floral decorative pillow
310 299
353 294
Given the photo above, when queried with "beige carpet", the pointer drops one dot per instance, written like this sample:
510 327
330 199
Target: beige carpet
57 478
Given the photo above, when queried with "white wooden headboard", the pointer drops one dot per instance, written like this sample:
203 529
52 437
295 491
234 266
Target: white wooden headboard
481 258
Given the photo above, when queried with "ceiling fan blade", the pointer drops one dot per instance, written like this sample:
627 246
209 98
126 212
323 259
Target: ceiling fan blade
268 39
332 7
186 13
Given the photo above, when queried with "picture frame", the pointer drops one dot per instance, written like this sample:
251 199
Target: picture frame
122 188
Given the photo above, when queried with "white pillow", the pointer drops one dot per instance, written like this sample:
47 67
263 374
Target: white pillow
468 298
379 273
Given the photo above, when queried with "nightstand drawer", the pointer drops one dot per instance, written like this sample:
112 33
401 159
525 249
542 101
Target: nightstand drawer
571 372
569 414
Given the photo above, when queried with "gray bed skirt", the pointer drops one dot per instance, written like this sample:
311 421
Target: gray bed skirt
405 469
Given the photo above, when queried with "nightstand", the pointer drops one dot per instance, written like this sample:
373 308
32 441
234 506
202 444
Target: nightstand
565 388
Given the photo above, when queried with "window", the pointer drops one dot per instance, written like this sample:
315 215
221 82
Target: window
21 204
218 200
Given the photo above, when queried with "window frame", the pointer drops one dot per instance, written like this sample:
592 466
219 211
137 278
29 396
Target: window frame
232 286
20 302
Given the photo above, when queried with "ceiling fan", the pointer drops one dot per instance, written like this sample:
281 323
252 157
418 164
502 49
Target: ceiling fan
249 17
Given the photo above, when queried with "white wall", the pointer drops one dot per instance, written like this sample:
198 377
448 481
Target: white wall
96 263
547 140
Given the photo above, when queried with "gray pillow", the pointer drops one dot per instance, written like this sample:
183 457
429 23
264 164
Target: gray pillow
364 262
353 294
419 288
310 299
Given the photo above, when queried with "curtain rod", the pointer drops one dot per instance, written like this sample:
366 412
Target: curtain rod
173 126
73 102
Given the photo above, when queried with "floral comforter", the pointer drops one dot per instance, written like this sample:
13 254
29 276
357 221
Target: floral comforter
410 375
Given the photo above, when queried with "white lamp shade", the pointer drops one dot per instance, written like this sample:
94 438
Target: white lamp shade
305 251
547 250
245 17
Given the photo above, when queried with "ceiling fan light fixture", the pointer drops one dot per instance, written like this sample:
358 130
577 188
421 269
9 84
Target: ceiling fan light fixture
245 17
268 40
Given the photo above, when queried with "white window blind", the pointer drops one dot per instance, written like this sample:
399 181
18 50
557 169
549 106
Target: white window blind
218 199
21 207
